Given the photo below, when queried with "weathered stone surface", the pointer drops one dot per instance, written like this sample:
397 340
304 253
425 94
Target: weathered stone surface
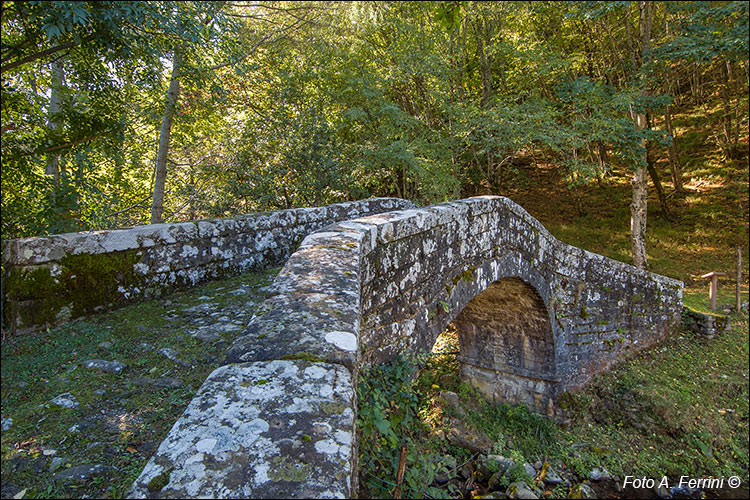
552 315
173 356
519 489
278 429
582 490
598 474
82 472
145 261
66 400
105 366
708 325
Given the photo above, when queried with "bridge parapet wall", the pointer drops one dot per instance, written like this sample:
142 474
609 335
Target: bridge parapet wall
429 263
364 290
51 279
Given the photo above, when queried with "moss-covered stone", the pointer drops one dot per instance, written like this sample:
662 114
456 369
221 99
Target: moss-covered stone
92 280
160 481
304 356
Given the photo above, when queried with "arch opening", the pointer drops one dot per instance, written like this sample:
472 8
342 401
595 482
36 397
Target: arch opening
507 347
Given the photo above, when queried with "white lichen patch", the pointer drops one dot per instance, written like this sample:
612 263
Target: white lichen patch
229 418
343 340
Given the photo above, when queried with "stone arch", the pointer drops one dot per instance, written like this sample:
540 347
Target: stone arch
508 344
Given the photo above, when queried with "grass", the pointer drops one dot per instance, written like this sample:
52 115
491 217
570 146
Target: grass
120 422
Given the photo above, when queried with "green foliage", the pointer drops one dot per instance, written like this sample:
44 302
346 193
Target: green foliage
387 419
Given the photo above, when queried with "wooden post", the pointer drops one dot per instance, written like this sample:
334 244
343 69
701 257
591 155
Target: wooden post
714 288
739 279
400 471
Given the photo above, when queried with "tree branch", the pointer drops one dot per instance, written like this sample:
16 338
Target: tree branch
39 55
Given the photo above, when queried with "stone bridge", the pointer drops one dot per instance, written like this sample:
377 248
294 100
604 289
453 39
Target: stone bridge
535 318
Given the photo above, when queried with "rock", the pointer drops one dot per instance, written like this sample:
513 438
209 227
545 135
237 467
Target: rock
100 392
165 382
66 400
105 366
206 335
7 423
529 469
82 472
582 490
172 355
105 345
599 474
87 423
55 464
519 489
49 452
9 490
504 465
33 465
493 494
485 469
683 491
551 477
22 383
662 491
538 465
745 306
451 399
221 345
463 436
144 347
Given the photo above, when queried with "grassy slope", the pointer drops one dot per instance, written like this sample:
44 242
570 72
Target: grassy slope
708 222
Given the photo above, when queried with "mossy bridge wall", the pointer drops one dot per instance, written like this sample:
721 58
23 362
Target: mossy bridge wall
535 317
49 280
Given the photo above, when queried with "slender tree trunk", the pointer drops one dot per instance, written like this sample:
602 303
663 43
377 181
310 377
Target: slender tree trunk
654 174
657 184
638 213
160 169
736 88
674 157
639 206
52 168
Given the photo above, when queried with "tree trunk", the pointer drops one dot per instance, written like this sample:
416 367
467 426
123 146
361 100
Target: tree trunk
638 213
654 174
657 184
160 168
52 168
639 207
674 157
